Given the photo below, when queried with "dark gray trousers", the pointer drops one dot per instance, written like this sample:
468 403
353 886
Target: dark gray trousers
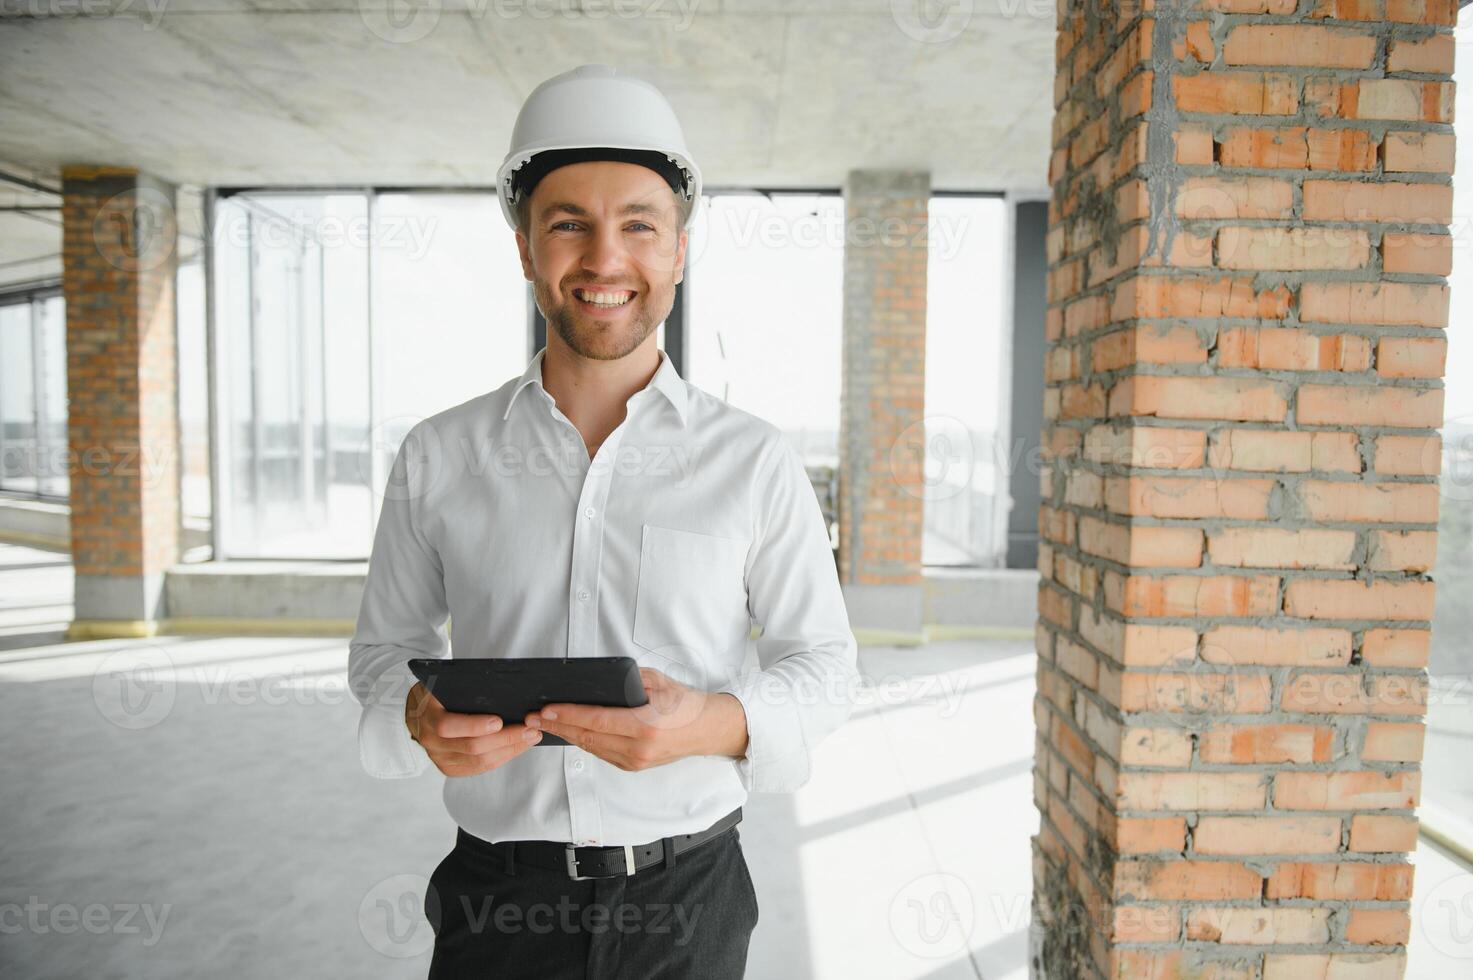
694 920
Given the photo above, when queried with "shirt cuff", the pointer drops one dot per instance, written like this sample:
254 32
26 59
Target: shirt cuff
777 759
385 746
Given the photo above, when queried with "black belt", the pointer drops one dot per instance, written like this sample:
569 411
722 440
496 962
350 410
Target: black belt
582 863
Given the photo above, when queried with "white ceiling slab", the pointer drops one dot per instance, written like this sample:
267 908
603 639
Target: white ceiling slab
274 92
30 247
30 229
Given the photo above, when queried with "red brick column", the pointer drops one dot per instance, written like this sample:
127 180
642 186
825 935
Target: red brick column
882 435
119 261
1248 255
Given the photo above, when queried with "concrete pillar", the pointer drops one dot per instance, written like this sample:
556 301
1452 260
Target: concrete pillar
119 260
1030 266
1246 308
881 435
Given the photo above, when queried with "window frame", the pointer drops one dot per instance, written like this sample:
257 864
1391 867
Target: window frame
31 296
378 473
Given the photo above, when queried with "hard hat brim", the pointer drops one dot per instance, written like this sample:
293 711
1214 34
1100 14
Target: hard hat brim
515 161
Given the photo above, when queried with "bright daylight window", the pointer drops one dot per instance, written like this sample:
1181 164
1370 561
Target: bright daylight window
194 395
343 320
966 488
765 328
33 398
1447 783
335 341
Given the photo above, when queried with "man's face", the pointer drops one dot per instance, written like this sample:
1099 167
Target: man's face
603 230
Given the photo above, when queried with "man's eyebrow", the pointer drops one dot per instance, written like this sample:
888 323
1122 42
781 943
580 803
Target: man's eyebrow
569 207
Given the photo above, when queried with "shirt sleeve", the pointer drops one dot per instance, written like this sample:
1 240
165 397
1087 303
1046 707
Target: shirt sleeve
402 616
807 651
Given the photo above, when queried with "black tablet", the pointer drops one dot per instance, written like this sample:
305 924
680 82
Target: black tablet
513 688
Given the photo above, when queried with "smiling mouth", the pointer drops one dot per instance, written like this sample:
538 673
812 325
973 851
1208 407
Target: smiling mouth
612 299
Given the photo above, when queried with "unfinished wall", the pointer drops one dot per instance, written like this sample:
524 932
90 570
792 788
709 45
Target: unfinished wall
1248 251
881 428
119 262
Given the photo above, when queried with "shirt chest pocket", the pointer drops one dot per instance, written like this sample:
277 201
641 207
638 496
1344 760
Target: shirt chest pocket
692 592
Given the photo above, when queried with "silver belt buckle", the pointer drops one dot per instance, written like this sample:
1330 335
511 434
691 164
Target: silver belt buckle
571 857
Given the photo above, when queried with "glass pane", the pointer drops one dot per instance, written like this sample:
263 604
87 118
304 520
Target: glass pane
347 473
232 286
1448 781
287 279
293 324
17 400
449 307
194 411
766 312
965 486
51 313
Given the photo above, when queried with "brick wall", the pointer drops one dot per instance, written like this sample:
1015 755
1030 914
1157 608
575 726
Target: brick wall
1248 251
119 261
881 434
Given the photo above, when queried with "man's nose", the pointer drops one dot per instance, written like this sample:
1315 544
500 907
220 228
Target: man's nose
606 254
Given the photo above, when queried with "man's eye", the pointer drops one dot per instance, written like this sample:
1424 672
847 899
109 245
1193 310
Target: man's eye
641 224
562 223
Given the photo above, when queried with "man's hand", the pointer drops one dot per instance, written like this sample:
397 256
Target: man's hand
463 745
679 721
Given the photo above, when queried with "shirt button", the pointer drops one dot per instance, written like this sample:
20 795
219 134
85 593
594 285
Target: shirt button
583 595
578 765
589 513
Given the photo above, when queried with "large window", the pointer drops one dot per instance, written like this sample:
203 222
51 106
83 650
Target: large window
966 487
341 320
765 313
765 318
449 307
289 480
1448 781
765 332
194 406
33 395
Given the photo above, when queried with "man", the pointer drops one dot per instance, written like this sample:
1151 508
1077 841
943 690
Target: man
599 505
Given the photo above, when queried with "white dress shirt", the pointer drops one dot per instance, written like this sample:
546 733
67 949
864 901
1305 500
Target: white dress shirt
693 520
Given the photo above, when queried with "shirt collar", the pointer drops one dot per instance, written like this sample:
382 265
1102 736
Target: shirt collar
666 381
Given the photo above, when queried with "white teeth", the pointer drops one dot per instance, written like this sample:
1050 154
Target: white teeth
604 299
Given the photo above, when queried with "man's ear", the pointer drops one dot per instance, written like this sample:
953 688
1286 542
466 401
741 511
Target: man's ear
524 250
680 256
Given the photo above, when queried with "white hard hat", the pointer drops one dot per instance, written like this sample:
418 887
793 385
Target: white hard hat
595 106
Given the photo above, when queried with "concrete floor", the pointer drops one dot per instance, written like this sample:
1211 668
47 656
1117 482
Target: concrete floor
221 825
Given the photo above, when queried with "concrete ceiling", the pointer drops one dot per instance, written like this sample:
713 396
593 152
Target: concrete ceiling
424 92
